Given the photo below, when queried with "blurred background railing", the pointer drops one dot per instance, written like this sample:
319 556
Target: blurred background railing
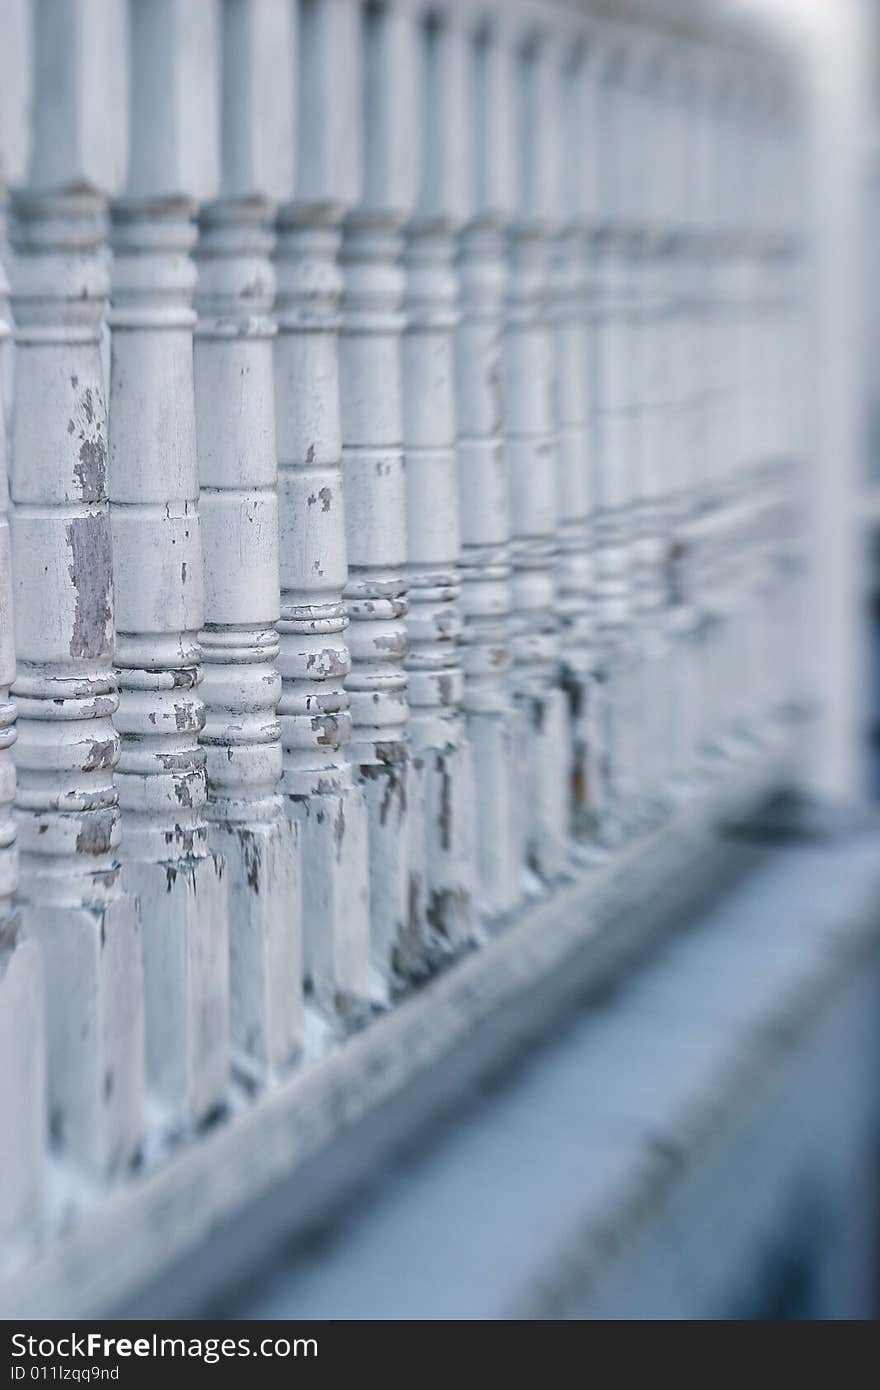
407 478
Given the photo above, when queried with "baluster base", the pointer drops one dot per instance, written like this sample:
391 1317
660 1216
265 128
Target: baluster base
544 738
445 792
578 686
613 737
22 1087
395 817
95 1029
186 984
265 958
335 899
498 843
653 728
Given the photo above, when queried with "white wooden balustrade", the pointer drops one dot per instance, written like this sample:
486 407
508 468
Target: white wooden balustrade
432 546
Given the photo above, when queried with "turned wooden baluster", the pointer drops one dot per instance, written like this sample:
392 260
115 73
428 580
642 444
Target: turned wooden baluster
484 516
573 289
374 481
530 441
22 1003
740 484
157 555
655 442
755 467
637 302
442 765
790 217
700 369
641 158
66 688
238 507
8 832
715 560
22 1011
614 464
748 484
759 371
686 411
775 396
320 788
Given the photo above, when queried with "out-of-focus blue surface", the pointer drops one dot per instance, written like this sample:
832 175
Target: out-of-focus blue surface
450 1232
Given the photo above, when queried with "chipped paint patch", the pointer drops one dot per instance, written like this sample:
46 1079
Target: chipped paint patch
90 570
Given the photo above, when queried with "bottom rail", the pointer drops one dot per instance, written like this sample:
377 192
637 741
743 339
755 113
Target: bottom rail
195 1221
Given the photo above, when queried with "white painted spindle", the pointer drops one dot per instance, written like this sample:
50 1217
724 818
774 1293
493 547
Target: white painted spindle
157 555
789 617
238 507
701 371
686 414
442 766
756 470
780 403
573 289
374 481
484 512
714 560
530 438
66 687
319 784
22 1009
735 491
614 465
653 438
